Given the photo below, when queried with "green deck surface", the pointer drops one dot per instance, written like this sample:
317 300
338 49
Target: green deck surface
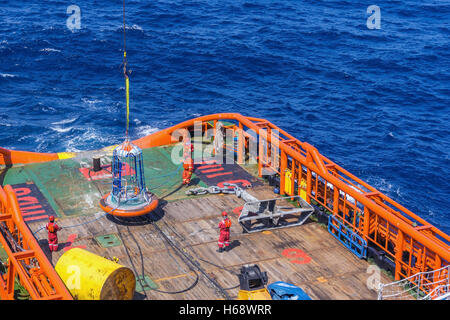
71 194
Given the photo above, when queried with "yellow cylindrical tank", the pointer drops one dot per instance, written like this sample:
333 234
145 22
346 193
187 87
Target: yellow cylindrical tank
91 277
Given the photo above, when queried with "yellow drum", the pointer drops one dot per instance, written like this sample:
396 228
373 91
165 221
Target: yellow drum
91 277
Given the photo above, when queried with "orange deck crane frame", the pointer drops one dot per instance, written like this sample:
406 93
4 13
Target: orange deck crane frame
379 220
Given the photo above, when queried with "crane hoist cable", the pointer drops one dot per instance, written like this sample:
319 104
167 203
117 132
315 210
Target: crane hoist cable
125 72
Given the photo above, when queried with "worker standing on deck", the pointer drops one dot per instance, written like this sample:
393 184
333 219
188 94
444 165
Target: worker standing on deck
52 228
224 237
188 166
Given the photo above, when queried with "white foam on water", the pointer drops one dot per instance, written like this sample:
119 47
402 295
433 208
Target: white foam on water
61 130
88 137
85 100
133 27
384 186
49 50
146 130
7 75
65 121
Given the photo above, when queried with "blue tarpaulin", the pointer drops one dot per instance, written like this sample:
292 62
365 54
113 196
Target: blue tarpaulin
285 291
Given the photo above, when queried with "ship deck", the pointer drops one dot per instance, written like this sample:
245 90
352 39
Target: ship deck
178 241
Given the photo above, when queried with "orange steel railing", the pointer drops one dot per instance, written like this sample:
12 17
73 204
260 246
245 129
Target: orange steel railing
410 242
26 261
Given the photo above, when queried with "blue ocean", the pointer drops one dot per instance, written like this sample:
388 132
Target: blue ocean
374 100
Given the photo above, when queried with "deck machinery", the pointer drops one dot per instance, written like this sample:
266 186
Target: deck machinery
261 215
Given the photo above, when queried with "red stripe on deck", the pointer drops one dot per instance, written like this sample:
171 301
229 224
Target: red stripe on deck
35 218
219 174
209 166
26 209
213 170
31 213
238 210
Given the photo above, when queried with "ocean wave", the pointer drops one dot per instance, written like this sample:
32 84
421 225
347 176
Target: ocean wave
89 136
61 130
134 27
7 75
49 50
94 101
130 27
146 130
386 187
66 121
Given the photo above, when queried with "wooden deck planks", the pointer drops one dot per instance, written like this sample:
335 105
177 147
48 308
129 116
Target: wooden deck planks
192 223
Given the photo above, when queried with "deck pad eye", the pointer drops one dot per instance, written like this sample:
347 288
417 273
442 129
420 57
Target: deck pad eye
108 240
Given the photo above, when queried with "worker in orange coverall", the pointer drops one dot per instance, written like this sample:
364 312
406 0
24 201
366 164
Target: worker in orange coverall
52 228
188 166
224 237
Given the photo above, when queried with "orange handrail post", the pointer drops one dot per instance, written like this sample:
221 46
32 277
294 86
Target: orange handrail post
261 153
10 280
335 201
240 144
308 185
398 254
294 170
283 164
366 223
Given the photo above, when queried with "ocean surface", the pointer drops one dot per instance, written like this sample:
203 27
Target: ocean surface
375 101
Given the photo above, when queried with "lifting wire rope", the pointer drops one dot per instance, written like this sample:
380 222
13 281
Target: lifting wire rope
182 253
106 213
189 261
142 278
127 88
127 81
